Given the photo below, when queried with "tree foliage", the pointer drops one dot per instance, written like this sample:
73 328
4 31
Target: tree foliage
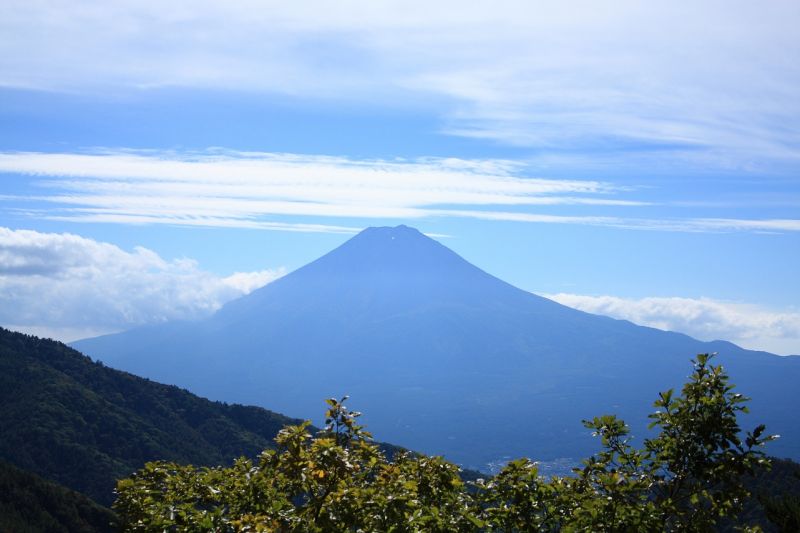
778 492
688 477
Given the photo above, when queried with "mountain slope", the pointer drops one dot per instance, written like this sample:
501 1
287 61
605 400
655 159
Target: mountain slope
441 356
84 425
29 503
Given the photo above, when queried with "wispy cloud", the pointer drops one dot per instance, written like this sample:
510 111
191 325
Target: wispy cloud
251 189
264 190
687 225
66 286
698 84
748 325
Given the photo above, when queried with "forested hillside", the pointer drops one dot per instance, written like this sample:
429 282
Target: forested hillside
84 425
29 503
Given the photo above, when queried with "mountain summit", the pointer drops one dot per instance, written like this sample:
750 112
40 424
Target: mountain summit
382 272
389 251
441 356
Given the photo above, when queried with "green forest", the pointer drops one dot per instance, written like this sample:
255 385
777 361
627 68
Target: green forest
29 503
84 425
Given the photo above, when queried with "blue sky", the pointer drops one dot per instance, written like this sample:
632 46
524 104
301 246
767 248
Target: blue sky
628 159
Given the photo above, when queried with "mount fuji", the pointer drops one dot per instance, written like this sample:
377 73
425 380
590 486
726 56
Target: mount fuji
441 356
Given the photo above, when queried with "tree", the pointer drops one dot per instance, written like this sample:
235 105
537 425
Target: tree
687 478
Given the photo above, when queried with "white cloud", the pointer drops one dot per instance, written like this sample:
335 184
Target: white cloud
68 286
246 282
715 81
252 189
259 190
748 325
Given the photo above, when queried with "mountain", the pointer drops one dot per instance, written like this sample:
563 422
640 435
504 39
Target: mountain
441 356
84 425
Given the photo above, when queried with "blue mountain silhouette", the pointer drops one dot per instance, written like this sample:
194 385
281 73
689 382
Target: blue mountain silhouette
441 356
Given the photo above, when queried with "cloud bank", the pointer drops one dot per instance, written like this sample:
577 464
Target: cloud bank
68 287
747 325
219 188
